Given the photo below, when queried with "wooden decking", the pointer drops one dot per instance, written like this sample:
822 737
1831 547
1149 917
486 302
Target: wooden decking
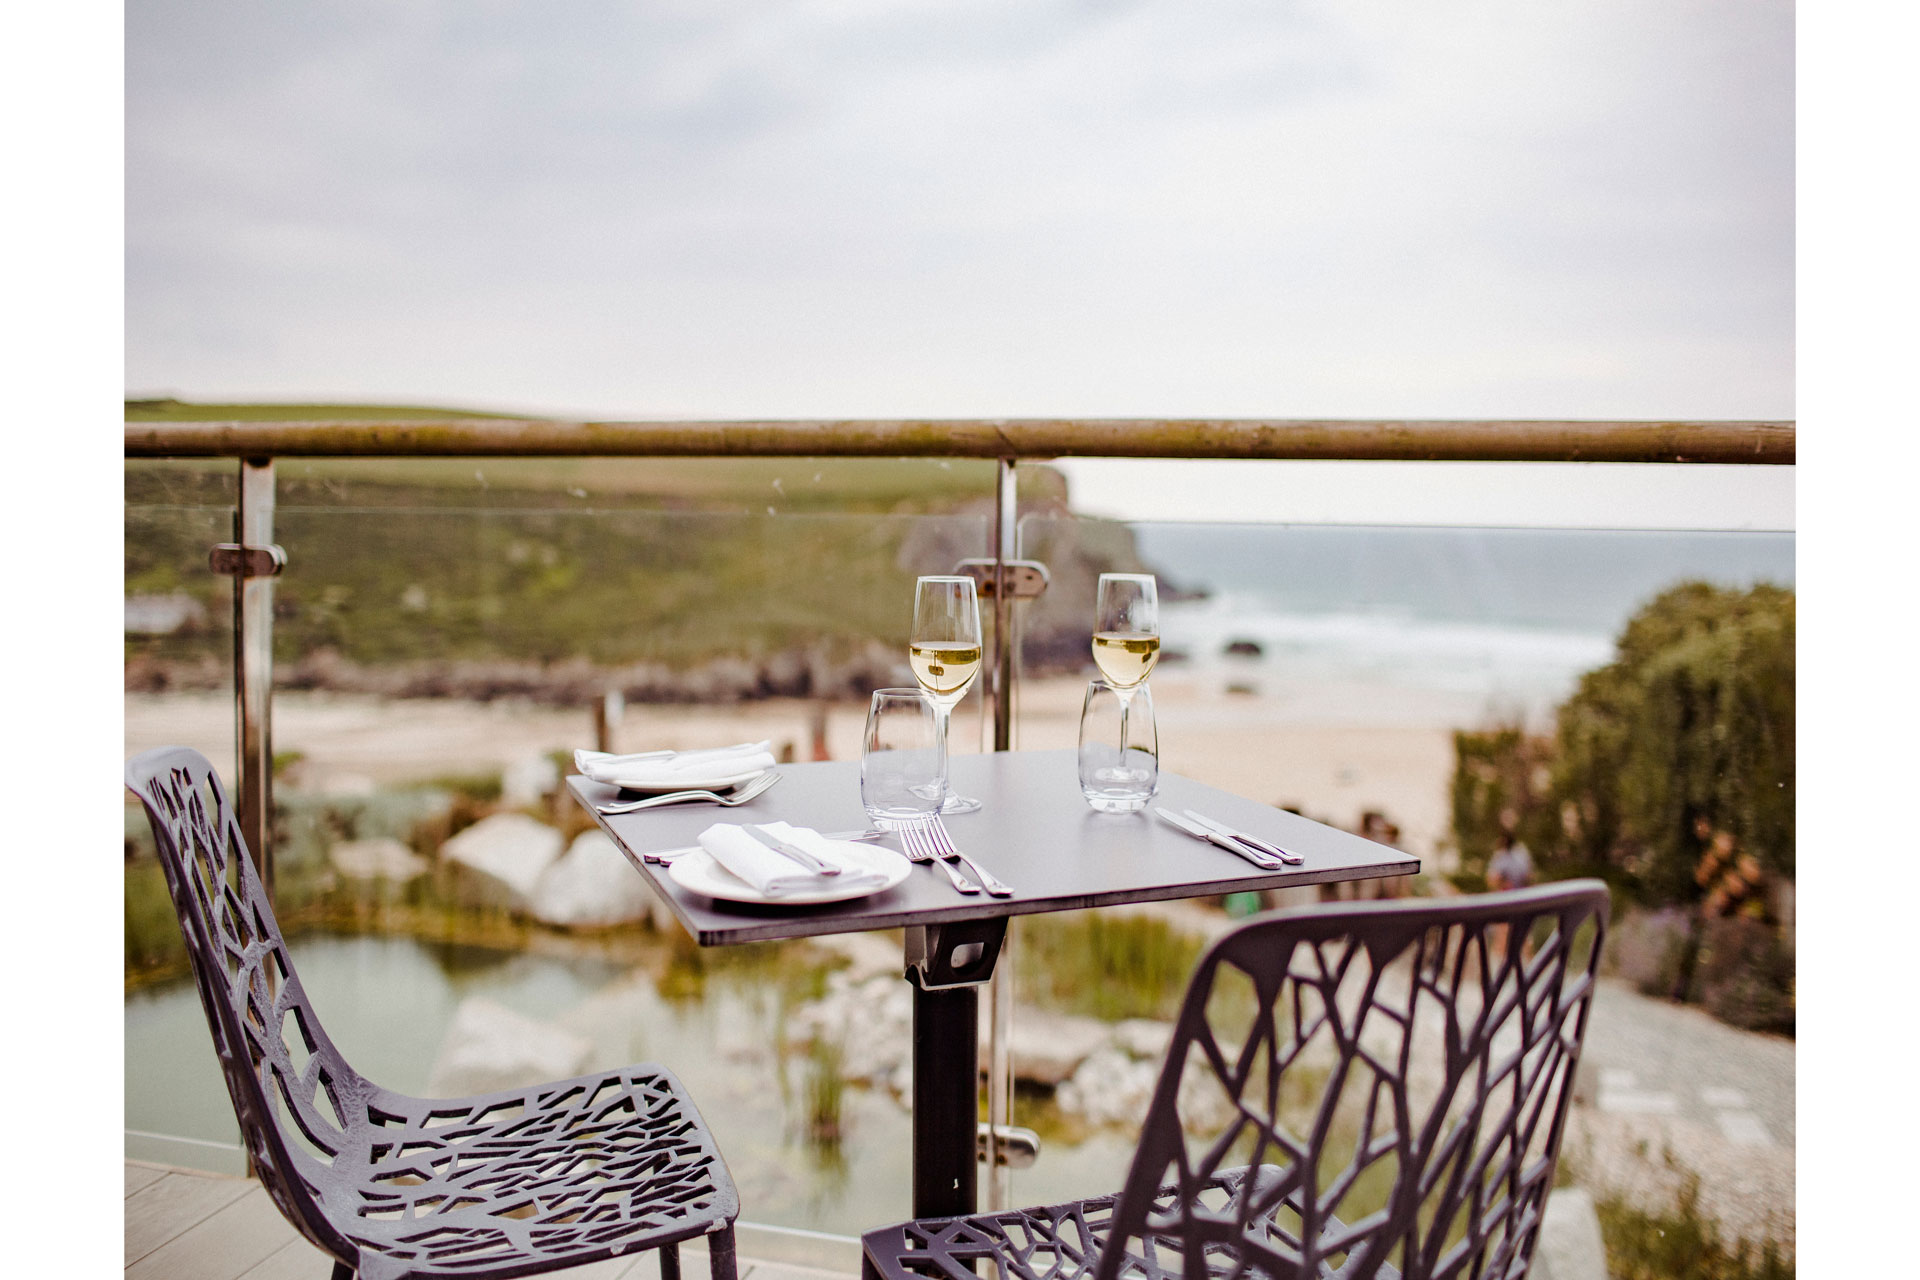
184 1225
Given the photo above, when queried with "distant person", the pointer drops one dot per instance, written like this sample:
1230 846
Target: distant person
1512 865
1511 868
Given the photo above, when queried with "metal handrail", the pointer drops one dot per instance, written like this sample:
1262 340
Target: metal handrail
1372 439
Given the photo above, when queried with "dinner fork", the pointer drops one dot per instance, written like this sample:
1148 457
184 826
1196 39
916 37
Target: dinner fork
943 845
728 800
917 841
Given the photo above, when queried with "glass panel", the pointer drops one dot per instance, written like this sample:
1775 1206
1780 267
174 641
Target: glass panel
1324 669
445 635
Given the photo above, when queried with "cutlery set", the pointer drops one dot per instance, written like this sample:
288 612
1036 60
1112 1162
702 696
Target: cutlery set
929 843
1261 853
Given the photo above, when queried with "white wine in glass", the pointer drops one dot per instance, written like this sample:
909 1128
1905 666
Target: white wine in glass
944 652
1126 635
1124 659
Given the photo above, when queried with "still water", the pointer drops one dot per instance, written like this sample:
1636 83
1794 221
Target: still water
388 1003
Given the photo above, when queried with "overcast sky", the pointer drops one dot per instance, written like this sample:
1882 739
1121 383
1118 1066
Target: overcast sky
882 207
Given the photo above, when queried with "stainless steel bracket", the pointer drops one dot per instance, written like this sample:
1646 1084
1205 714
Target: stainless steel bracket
1016 1148
247 562
959 953
1026 579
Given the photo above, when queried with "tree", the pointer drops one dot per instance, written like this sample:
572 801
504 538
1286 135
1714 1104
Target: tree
1690 727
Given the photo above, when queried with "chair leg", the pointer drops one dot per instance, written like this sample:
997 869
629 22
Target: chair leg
669 1262
341 1271
720 1258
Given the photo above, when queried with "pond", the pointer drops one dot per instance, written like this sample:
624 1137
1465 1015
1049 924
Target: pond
716 1018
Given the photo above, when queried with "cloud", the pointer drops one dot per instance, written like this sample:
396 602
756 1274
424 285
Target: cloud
863 208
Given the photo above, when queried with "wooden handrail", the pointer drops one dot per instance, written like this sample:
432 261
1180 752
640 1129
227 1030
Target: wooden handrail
1394 439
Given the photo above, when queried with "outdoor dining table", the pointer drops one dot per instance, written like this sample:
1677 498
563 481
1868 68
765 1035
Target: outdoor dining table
1035 832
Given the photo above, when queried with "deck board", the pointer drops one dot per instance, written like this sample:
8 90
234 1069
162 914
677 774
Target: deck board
223 1246
210 1226
140 1175
173 1204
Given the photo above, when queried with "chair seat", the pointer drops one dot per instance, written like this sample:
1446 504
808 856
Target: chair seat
576 1169
1061 1241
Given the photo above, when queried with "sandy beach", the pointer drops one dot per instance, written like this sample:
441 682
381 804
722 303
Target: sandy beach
1332 751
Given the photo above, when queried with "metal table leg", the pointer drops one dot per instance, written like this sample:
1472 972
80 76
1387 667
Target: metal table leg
946 963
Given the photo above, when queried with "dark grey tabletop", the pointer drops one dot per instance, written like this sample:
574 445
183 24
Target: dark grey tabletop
1033 831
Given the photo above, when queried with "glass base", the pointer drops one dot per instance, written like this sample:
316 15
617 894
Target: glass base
960 804
1116 801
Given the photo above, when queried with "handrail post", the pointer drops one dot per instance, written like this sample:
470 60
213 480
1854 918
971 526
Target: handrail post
1000 989
253 667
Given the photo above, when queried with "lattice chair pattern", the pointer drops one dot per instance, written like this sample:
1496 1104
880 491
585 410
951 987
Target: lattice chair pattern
1352 1090
506 1184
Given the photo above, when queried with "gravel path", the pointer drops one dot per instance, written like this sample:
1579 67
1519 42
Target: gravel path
1679 1091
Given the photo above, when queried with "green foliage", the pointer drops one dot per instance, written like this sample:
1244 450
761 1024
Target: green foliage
607 561
1744 975
1498 773
1680 1242
1105 964
1693 720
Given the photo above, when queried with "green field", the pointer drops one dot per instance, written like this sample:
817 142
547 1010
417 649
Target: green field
611 561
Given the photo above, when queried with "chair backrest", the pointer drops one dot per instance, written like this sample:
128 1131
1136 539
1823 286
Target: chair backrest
1393 1078
278 1062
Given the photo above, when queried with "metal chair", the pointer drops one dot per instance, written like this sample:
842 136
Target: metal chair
1352 1090
505 1184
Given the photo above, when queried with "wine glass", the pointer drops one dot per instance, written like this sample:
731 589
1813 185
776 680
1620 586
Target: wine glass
944 652
1126 635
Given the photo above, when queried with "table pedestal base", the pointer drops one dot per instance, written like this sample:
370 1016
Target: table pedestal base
946 963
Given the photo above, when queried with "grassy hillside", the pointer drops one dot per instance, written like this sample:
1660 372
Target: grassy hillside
614 561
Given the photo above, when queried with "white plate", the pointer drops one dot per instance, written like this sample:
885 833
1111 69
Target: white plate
718 782
697 872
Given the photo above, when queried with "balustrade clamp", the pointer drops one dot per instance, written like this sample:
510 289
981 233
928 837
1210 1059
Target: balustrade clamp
1026 578
247 562
1017 1148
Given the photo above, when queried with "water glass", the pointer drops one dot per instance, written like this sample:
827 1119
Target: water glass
901 778
1119 748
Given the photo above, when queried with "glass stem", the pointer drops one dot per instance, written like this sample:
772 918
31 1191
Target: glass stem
1126 704
941 712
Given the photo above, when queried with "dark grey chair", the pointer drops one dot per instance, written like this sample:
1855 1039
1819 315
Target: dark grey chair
506 1184
1352 1090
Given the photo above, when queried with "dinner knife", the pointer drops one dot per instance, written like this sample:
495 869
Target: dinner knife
1266 862
664 856
791 850
1264 846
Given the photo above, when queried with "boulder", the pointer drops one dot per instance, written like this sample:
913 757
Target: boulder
490 1047
1143 1038
1046 1048
591 884
528 781
507 850
1110 1087
381 858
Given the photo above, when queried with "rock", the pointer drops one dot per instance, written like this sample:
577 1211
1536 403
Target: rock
490 1047
1143 1038
1109 1088
871 1019
1112 1088
381 858
509 850
591 884
1046 1048
529 781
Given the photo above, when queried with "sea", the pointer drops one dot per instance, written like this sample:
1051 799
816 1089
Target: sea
1502 619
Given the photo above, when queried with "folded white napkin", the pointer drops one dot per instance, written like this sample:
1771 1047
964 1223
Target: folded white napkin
675 768
778 876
